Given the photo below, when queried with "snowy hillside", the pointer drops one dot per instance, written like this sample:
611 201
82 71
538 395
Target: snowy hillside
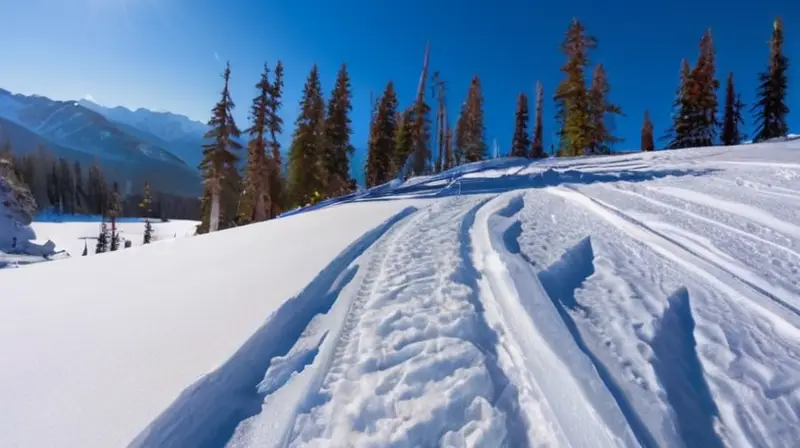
635 300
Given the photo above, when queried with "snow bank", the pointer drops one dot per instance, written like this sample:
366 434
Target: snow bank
95 348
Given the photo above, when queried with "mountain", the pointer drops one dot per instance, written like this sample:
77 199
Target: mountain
179 134
75 132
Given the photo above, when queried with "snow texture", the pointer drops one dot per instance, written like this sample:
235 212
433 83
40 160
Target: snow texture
632 300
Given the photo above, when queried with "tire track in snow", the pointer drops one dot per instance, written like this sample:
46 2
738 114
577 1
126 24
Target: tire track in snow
415 364
552 367
207 412
761 301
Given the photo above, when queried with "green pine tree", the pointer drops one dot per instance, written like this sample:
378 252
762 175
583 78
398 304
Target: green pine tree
679 134
520 142
255 200
147 209
382 141
474 141
601 113
274 121
648 143
404 140
770 109
337 149
731 134
572 97
220 174
306 168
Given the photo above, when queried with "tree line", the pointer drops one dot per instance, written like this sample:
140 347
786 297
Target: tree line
405 141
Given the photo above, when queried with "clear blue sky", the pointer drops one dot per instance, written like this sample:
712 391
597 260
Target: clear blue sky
168 54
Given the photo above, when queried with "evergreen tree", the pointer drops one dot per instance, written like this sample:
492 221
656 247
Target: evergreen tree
703 95
97 191
521 141
648 143
404 144
382 141
275 127
255 195
102 239
679 134
771 109
147 210
474 142
421 128
537 147
600 113
220 174
572 98
80 192
337 149
85 249
53 187
66 188
733 115
114 211
306 169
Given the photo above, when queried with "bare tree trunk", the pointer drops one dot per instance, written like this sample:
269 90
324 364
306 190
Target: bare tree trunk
213 216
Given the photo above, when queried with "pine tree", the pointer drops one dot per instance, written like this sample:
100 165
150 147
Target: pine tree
66 184
275 127
97 191
337 149
421 125
572 98
102 239
80 192
85 249
703 95
220 174
404 141
255 195
147 210
771 109
521 141
679 134
473 138
600 113
306 169
53 187
648 143
114 211
382 141
537 147
733 115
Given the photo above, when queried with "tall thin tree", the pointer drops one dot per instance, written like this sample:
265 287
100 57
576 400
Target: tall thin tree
338 149
731 134
601 112
306 169
648 142
537 146
520 142
572 99
255 195
770 109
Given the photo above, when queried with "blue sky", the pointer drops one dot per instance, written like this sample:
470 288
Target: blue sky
168 54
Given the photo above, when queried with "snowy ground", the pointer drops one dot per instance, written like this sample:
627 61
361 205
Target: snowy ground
635 300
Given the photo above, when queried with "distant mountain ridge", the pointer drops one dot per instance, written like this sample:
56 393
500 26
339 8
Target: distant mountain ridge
75 132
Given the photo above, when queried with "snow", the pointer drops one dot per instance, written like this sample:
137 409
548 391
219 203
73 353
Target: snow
631 300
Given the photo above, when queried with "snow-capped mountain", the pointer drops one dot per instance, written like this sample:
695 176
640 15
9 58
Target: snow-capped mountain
75 132
179 134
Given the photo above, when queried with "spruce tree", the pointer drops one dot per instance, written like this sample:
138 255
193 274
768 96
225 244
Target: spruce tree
770 109
102 239
66 186
404 141
474 142
220 174
600 111
80 192
255 195
648 143
147 210
572 98
703 95
114 211
337 148
306 169
679 134
97 191
382 140
275 127
520 142
733 115
537 147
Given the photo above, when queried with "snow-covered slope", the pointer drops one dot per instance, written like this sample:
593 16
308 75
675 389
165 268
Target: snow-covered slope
636 300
